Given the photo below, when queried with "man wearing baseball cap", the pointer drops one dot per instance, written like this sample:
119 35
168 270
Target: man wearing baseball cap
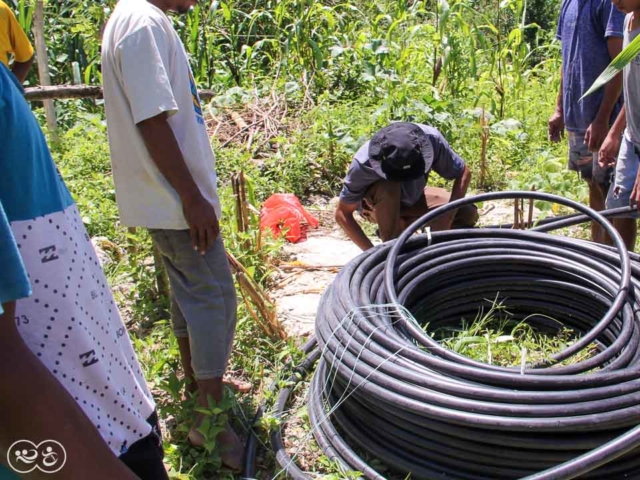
387 182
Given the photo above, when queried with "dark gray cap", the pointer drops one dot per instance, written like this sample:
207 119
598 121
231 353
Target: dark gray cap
402 151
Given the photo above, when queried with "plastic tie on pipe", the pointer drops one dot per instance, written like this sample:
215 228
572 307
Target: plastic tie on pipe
429 237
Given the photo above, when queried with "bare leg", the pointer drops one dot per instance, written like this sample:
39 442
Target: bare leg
628 229
232 451
434 197
597 197
185 360
383 198
231 448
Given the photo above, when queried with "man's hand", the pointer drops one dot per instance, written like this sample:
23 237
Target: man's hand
203 222
635 193
609 150
344 218
556 126
596 133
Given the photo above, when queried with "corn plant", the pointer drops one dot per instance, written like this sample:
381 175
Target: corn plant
616 66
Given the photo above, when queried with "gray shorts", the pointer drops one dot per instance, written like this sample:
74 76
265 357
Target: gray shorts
584 162
203 299
625 177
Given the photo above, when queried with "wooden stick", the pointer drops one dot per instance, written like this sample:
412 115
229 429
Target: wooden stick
244 211
254 315
240 132
237 118
43 67
305 268
270 323
484 138
65 92
530 219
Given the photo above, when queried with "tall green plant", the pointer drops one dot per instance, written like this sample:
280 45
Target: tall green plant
24 13
630 52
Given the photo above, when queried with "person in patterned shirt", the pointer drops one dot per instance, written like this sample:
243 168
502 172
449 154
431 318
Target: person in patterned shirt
68 371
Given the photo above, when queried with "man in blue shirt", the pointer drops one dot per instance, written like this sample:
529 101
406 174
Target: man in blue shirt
387 182
591 36
69 376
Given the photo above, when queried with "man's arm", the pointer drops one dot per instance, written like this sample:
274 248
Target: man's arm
597 131
165 152
34 406
555 126
21 69
21 48
634 199
344 217
461 185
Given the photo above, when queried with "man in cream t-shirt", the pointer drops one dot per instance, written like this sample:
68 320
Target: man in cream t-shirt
164 172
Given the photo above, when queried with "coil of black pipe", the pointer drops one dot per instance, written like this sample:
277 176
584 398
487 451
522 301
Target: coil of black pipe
387 390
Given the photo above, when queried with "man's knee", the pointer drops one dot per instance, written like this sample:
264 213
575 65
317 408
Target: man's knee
436 197
466 217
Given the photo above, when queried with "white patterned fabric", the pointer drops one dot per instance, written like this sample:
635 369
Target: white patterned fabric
72 324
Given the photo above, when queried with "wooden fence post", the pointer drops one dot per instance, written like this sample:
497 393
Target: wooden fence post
43 67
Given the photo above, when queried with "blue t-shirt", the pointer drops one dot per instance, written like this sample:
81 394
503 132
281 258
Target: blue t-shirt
24 192
14 283
28 188
69 321
585 56
363 172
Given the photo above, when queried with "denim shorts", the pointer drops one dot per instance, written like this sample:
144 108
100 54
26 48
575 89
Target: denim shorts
584 162
625 176
203 299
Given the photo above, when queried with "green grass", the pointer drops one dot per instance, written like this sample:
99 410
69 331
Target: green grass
341 71
496 338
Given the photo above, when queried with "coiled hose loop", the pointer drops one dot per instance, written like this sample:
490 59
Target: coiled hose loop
386 388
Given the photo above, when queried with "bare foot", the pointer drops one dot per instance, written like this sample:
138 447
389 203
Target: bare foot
230 447
237 384
190 389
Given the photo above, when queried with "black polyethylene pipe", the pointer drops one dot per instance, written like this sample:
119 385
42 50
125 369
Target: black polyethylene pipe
387 389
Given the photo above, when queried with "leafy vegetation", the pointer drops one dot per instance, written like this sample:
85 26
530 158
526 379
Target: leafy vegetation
485 72
496 338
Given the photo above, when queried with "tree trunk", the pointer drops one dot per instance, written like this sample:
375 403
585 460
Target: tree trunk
43 67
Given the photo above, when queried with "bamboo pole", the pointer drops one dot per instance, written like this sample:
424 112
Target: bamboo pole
43 67
484 138
242 215
530 219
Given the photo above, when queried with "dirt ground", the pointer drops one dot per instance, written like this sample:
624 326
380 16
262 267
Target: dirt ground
309 267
